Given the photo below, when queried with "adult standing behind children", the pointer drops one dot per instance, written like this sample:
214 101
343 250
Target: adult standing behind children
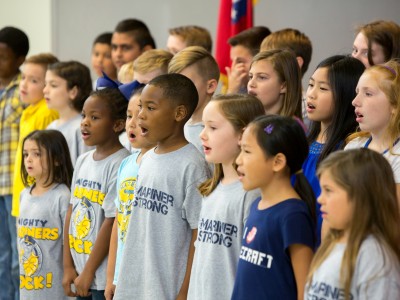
36 116
159 249
198 65
131 38
14 46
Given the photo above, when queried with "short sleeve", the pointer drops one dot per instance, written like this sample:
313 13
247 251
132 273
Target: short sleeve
192 205
298 229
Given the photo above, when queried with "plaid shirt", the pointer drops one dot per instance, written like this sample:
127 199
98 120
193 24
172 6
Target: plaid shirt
10 113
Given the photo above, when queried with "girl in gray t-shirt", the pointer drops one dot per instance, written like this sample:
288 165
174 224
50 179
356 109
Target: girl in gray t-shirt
359 257
47 173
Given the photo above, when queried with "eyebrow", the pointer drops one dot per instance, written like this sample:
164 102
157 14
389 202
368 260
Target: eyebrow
319 81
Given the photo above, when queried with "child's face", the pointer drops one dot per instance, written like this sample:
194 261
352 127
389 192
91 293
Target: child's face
144 78
255 170
372 108
124 49
97 126
157 116
101 60
32 83
336 208
9 63
56 92
175 43
241 55
132 129
264 83
360 51
35 161
219 139
320 104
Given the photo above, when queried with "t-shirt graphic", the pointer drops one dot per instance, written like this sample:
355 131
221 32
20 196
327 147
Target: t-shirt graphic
83 219
126 196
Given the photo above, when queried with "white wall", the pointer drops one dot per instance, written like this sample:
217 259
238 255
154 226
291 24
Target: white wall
34 18
69 27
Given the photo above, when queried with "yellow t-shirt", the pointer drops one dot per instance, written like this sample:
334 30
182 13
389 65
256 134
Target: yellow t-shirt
35 117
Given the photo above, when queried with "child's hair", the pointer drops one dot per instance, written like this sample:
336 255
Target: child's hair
343 75
42 59
103 38
138 30
125 73
387 77
279 134
151 60
58 162
193 36
179 90
250 38
116 102
77 75
292 39
198 56
384 33
285 65
239 110
15 39
367 178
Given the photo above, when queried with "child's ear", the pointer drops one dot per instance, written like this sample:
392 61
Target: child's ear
181 113
283 88
119 125
300 61
279 162
212 85
72 93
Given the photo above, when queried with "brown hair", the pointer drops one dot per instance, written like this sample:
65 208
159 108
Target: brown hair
193 36
239 110
250 38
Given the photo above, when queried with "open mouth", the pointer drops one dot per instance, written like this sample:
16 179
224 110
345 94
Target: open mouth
85 134
310 106
358 115
144 131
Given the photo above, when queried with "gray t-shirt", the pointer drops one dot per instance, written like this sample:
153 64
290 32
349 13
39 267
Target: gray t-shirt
394 160
192 134
222 218
376 275
165 210
40 237
92 197
72 133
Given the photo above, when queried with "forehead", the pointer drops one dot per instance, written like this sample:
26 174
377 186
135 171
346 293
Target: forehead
152 93
7 52
96 103
29 143
361 41
122 38
33 68
240 51
101 47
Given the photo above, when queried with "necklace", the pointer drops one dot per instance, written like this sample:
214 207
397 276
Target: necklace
369 142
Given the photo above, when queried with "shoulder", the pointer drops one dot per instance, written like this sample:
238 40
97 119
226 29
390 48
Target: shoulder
129 160
356 143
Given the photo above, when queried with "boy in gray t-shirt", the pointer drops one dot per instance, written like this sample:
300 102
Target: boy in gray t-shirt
159 247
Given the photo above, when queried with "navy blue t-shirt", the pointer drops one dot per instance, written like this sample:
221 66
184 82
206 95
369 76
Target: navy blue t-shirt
265 269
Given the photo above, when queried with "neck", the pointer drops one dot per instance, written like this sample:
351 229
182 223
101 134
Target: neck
275 108
108 148
143 151
66 114
322 133
380 141
230 174
39 188
171 143
198 113
277 190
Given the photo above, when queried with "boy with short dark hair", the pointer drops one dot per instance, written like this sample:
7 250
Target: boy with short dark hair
14 46
131 38
244 46
159 249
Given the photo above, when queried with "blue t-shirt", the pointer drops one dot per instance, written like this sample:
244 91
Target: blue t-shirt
126 182
264 268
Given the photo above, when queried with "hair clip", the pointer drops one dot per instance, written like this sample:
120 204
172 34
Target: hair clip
269 128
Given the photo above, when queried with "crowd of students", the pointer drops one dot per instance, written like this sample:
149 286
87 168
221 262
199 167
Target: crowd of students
143 184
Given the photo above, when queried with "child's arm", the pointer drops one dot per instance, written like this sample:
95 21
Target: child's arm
112 256
69 268
300 256
185 285
96 257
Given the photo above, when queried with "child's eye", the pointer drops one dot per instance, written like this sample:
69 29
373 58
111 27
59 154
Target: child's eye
83 115
310 84
150 108
324 89
128 117
94 118
140 106
25 155
250 76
